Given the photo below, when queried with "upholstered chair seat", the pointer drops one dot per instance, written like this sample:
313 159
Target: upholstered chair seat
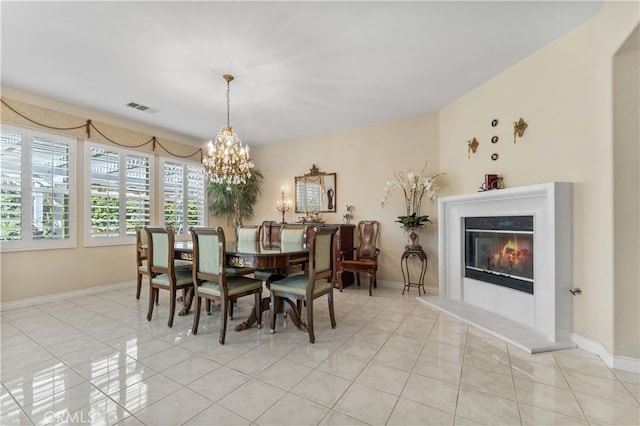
236 285
297 284
183 277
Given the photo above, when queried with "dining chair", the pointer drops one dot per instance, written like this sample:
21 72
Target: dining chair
317 282
265 231
142 254
294 234
212 283
166 272
245 234
264 238
366 255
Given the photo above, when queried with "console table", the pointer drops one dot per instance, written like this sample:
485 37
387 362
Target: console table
418 254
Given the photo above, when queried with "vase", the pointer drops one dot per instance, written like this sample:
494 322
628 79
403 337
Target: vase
413 238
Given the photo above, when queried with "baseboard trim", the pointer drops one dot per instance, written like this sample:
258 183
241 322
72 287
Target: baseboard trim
33 301
618 362
430 290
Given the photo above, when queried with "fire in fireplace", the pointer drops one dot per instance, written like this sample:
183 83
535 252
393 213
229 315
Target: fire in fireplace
499 250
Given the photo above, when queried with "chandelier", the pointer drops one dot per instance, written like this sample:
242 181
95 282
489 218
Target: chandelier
226 160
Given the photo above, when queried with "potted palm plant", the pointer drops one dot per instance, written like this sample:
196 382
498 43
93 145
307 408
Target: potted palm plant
235 202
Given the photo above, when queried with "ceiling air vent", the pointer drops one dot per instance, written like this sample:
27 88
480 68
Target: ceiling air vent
141 107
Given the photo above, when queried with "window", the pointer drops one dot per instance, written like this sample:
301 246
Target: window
36 205
183 195
118 194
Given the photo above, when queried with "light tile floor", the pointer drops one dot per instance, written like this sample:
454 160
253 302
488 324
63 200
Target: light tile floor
391 360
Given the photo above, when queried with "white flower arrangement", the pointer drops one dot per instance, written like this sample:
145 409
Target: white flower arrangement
415 187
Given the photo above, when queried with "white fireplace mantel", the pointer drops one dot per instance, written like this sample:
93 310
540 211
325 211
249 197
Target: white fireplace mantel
548 310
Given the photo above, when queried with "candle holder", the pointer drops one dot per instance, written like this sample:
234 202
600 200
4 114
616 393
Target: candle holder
283 205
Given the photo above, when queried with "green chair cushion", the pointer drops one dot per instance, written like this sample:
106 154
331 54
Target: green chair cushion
183 276
262 274
237 271
143 268
236 285
297 284
182 264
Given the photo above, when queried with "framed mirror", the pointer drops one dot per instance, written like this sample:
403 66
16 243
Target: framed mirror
316 191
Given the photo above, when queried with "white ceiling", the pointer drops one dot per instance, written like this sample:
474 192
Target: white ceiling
301 68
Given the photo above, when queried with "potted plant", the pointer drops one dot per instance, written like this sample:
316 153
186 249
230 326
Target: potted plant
413 221
414 187
235 202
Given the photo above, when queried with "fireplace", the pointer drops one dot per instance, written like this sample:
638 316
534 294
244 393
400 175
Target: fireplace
530 224
499 250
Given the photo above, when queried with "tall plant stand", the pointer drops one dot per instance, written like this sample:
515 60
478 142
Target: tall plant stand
416 253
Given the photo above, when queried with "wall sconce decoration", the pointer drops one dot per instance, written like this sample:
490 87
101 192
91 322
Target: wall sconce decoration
472 146
283 205
494 139
495 156
494 122
518 128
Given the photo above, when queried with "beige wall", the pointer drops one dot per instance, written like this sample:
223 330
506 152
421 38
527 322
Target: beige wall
564 93
626 206
364 160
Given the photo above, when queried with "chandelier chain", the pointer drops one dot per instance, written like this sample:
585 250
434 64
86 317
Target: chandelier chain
228 103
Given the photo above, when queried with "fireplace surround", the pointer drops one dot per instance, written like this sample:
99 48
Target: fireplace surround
546 309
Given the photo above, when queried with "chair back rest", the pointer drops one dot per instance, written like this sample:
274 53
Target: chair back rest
293 234
248 233
208 253
142 245
161 241
368 239
265 232
321 252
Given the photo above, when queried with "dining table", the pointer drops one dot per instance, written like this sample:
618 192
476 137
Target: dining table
258 255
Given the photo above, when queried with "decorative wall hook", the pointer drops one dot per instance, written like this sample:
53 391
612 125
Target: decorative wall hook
472 146
518 128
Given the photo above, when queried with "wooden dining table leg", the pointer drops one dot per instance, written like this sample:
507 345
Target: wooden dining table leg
289 308
187 301
253 318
